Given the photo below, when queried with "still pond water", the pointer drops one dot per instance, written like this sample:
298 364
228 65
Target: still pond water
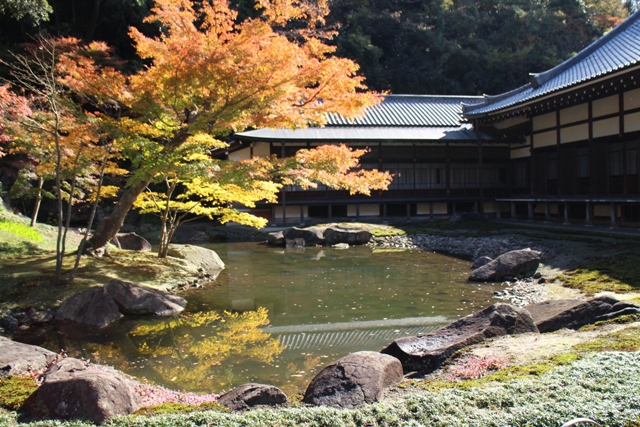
278 316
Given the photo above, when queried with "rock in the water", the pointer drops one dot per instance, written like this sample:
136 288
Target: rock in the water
252 394
553 315
425 353
72 391
275 238
518 263
204 258
93 307
340 246
312 236
135 299
131 241
17 358
298 242
351 236
354 380
479 262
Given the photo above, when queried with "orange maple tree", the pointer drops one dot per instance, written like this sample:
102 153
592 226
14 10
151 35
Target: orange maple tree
209 74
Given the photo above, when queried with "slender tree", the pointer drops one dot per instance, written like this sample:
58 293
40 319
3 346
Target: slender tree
51 127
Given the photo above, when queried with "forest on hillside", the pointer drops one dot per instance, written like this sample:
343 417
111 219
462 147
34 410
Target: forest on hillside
449 47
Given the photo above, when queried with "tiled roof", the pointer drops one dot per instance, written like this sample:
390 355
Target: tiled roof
410 110
616 50
363 133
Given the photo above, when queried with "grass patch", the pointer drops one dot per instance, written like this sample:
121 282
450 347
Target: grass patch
180 408
624 340
15 390
505 375
21 230
621 275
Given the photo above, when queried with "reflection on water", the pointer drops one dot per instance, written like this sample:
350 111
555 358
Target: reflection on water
278 316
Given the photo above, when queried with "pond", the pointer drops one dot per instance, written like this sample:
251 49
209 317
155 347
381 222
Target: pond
278 316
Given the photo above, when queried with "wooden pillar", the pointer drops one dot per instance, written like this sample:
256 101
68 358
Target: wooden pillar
614 214
589 214
301 214
357 212
447 170
513 210
566 213
409 211
547 211
284 196
431 211
384 210
480 208
330 211
530 210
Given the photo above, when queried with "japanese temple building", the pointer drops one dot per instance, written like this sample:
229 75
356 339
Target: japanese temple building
563 147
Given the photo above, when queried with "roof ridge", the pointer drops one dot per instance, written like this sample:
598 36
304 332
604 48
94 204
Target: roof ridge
538 79
489 99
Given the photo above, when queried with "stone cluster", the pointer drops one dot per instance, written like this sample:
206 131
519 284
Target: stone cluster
468 247
523 292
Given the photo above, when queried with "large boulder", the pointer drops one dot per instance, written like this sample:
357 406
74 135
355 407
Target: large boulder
518 263
553 315
426 353
204 258
351 236
312 236
354 380
252 394
17 358
136 299
93 307
71 390
275 238
131 241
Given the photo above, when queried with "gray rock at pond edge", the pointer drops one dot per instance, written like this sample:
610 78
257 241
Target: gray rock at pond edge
136 299
131 242
17 358
354 380
479 262
426 353
275 238
252 394
70 390
351 236
9 322
38 317
204 258
518 263
553 315
312 236
93 307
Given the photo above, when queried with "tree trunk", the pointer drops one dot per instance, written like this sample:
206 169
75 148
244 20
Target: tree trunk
108 227
36 208
85 238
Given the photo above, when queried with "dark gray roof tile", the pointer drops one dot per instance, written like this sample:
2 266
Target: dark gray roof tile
410 110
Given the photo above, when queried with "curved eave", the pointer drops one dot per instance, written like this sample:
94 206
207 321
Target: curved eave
362 134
